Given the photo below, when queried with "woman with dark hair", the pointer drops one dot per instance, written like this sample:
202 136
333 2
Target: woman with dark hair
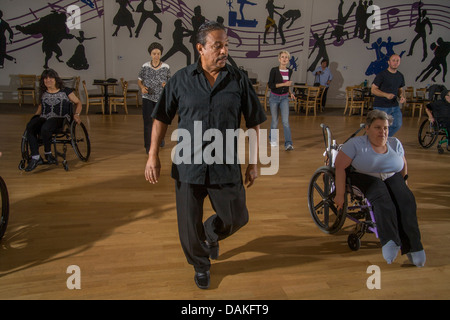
152 78
54 107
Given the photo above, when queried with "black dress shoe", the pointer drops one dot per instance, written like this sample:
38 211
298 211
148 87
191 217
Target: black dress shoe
202 279
213 249
33 163
50 159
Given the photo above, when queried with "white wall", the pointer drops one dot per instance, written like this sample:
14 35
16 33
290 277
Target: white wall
123 56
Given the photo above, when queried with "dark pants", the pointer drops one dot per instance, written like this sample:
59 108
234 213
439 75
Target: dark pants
147 109
324 98
43 128
228 201
394 207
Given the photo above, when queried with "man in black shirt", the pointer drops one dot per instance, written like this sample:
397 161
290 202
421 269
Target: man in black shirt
386 87
210 97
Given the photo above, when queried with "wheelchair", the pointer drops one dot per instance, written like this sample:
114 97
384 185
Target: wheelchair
4 202
71 133
429 133
321 193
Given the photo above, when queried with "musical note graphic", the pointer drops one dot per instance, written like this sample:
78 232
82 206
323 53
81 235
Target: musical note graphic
255 54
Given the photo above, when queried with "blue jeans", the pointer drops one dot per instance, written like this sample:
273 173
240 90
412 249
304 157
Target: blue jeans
396 113
281 102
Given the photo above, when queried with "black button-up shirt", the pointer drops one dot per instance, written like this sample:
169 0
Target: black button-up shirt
200 108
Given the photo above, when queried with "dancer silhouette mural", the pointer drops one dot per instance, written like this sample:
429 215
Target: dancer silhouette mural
123 17
4 26
178 35
420 29
148 14
53 29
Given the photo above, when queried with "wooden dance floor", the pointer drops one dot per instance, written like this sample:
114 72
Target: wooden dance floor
121 232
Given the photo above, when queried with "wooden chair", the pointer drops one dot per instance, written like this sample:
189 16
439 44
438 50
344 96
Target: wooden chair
27 88
263 95
133 93
93 99
348 98
420 101
320 97
410 99
119 100
356 100
309 101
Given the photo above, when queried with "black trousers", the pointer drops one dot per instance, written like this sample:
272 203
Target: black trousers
394 207
228 201
43 128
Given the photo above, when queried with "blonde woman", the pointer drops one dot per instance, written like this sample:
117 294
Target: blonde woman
279 84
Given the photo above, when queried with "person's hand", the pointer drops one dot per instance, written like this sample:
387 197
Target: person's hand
144 90
251 174
77 118
390 96
339 202
152 169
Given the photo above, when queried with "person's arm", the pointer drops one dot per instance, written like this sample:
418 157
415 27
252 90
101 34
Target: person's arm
39 110
251 173
377 92
341 163
141 86
78 107
401 94
153 166
430 114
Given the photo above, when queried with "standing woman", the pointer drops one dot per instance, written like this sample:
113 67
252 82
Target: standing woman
54 107
279 83
152 78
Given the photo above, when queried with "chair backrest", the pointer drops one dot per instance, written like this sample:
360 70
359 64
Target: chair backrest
409 93
421 93
85 90
27 80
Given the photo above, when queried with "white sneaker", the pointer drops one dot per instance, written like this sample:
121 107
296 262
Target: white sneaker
289 147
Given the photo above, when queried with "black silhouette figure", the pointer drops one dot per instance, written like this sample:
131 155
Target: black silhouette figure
338 31
53 30
420 28
291 15
441 50
197 21
361 20
322 54
178 34
270 22
4 26
229 58
123 17
146 14
78 61
366 30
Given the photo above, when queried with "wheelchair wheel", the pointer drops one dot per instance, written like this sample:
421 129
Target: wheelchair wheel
4 202
321 205
80 141
25 151
354 242
428 133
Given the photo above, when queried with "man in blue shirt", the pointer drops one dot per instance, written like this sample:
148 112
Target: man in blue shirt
323 77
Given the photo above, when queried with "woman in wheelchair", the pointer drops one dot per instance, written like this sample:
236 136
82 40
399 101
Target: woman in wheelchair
376 165
54 107
440 110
